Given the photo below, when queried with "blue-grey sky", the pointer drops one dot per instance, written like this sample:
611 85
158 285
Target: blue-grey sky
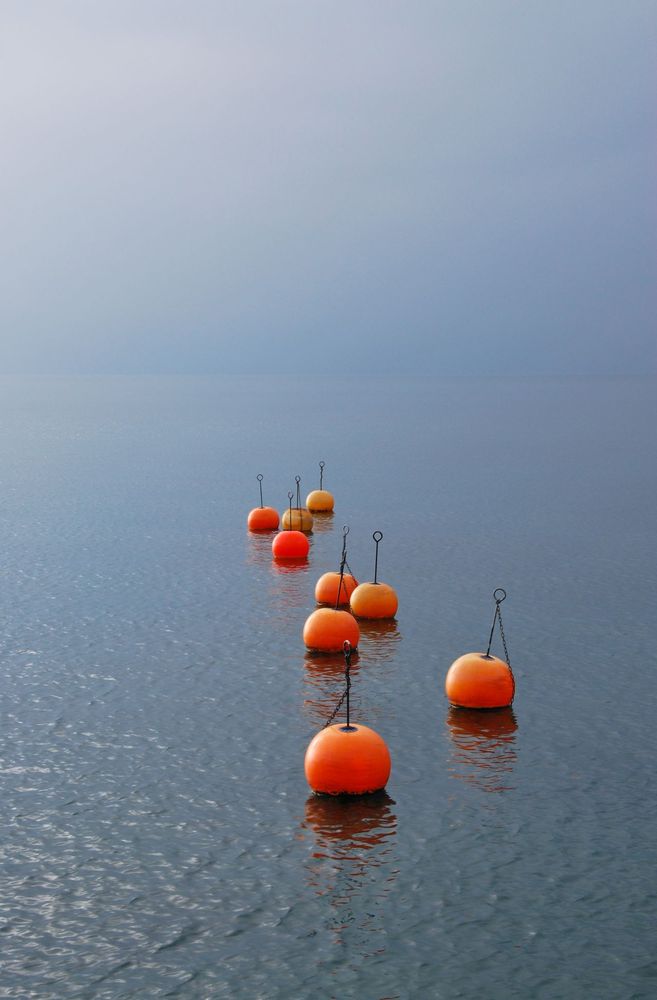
428 186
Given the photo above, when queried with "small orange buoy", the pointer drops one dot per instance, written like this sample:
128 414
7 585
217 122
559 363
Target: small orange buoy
326 630
262 518
321 499
347 760
479 680
290 545
374 600
326 588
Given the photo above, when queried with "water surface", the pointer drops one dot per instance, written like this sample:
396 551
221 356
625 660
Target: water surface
156 698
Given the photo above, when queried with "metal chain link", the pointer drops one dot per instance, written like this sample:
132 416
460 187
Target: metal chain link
506 651
345 694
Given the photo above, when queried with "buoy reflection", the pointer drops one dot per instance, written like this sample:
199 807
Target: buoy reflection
353 862
379 640
323 521
289 586
483 747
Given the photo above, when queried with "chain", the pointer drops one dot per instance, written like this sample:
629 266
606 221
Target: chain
497 617
506 651
345 693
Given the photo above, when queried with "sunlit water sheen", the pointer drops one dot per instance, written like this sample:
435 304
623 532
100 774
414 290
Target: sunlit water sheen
159 838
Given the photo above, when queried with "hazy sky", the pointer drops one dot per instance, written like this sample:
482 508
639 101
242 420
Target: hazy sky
447 186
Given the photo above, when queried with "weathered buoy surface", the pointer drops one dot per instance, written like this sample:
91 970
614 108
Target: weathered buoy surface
347 760
374 600
326 630
320 500
476 680
326 588
262 519
290 545
297 519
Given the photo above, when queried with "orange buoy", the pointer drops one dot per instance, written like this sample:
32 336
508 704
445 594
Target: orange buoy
321 499
290 545
297 518
328 585
347 760
262 518
479 680
326 630
374 600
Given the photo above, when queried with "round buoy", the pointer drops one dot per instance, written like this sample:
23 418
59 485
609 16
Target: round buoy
320 500
326 588
374 600
290 545
297 519
478 680
326 630
347 760
262 519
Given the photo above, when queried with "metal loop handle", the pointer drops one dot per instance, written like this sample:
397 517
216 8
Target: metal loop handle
321 474
377 536
260 477
500 590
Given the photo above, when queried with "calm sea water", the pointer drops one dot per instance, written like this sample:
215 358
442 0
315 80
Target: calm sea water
159 838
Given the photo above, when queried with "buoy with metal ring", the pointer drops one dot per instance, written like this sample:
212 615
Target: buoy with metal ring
337 588
374 600
290 544
262 518
320 500
347 759
479 680
297 518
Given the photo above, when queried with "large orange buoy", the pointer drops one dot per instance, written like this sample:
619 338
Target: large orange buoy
374 600
290 545
321 499
347 760
326 630
262 518
328 589
479 680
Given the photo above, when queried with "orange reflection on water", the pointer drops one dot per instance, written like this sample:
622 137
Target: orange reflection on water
353 855
322 521
379 639
483 746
